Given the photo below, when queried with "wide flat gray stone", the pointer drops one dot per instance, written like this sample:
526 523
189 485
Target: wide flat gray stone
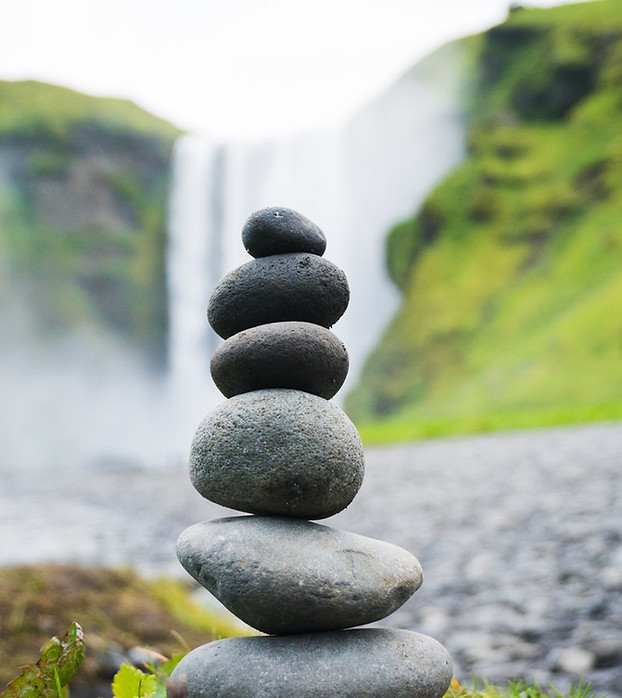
278 288
362 663
298 355
278 452
278 230
283 575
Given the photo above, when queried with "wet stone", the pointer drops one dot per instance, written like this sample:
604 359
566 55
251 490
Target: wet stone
278 230
278 452
297 355
368 662
279 288
283 575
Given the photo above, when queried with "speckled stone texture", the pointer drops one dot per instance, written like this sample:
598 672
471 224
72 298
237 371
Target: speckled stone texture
278 230
297 355
278 288
362 663
278 452
282 575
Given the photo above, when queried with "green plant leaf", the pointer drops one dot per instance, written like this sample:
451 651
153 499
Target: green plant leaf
166 668
59 661
130 682
162 673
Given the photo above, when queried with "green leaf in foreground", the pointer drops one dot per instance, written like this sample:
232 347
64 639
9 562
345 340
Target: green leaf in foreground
59 661
130 682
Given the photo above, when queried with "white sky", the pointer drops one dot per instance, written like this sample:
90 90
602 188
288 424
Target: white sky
233 68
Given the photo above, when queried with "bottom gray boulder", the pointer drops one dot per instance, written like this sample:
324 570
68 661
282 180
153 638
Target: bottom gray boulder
360 663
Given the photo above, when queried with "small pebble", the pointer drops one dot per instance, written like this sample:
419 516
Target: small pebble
573 660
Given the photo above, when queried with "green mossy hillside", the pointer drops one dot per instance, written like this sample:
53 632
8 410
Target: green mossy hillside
35 110
83 200
511 272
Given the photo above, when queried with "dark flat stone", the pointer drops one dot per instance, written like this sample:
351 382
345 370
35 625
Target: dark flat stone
298 355
278 452
362 663
282 575
279 288
277 230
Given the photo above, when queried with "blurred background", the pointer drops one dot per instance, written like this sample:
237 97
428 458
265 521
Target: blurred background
464 160
466 186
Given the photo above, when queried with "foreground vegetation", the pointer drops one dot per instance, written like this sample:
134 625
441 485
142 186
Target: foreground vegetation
516 689
117 610
60 659
511 271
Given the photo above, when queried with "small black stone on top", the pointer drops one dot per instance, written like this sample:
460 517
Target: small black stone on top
278 230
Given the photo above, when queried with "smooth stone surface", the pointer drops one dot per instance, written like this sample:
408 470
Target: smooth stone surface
278 288
298 355
283 575
278 452
278 230
363 663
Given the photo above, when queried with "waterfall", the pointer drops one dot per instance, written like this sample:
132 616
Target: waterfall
193 255
88 400
355 181
193 266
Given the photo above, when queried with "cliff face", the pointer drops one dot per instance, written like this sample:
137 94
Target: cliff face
511 271
83 197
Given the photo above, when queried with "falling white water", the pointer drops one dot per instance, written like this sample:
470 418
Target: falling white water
355 182
88 400
193 268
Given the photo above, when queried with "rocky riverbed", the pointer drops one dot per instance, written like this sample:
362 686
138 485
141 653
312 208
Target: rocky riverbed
519 536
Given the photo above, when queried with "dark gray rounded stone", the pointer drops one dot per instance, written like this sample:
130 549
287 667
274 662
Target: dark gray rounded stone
362 663
278 452
277 230
278 288
283 575
298 355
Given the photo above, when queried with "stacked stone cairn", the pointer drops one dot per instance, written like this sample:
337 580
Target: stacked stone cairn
280 450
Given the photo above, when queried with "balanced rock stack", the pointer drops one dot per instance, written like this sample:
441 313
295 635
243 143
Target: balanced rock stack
280 450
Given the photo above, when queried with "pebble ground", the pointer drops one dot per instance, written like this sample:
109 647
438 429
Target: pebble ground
519 535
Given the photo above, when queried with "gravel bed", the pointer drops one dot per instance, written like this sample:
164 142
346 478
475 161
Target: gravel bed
519 535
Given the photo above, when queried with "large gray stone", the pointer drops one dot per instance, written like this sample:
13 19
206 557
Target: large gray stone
278 230
276 289
362 663
283 575
298 355
278 452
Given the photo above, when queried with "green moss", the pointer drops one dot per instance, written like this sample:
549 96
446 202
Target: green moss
48 164
42 112
509 314
83 212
